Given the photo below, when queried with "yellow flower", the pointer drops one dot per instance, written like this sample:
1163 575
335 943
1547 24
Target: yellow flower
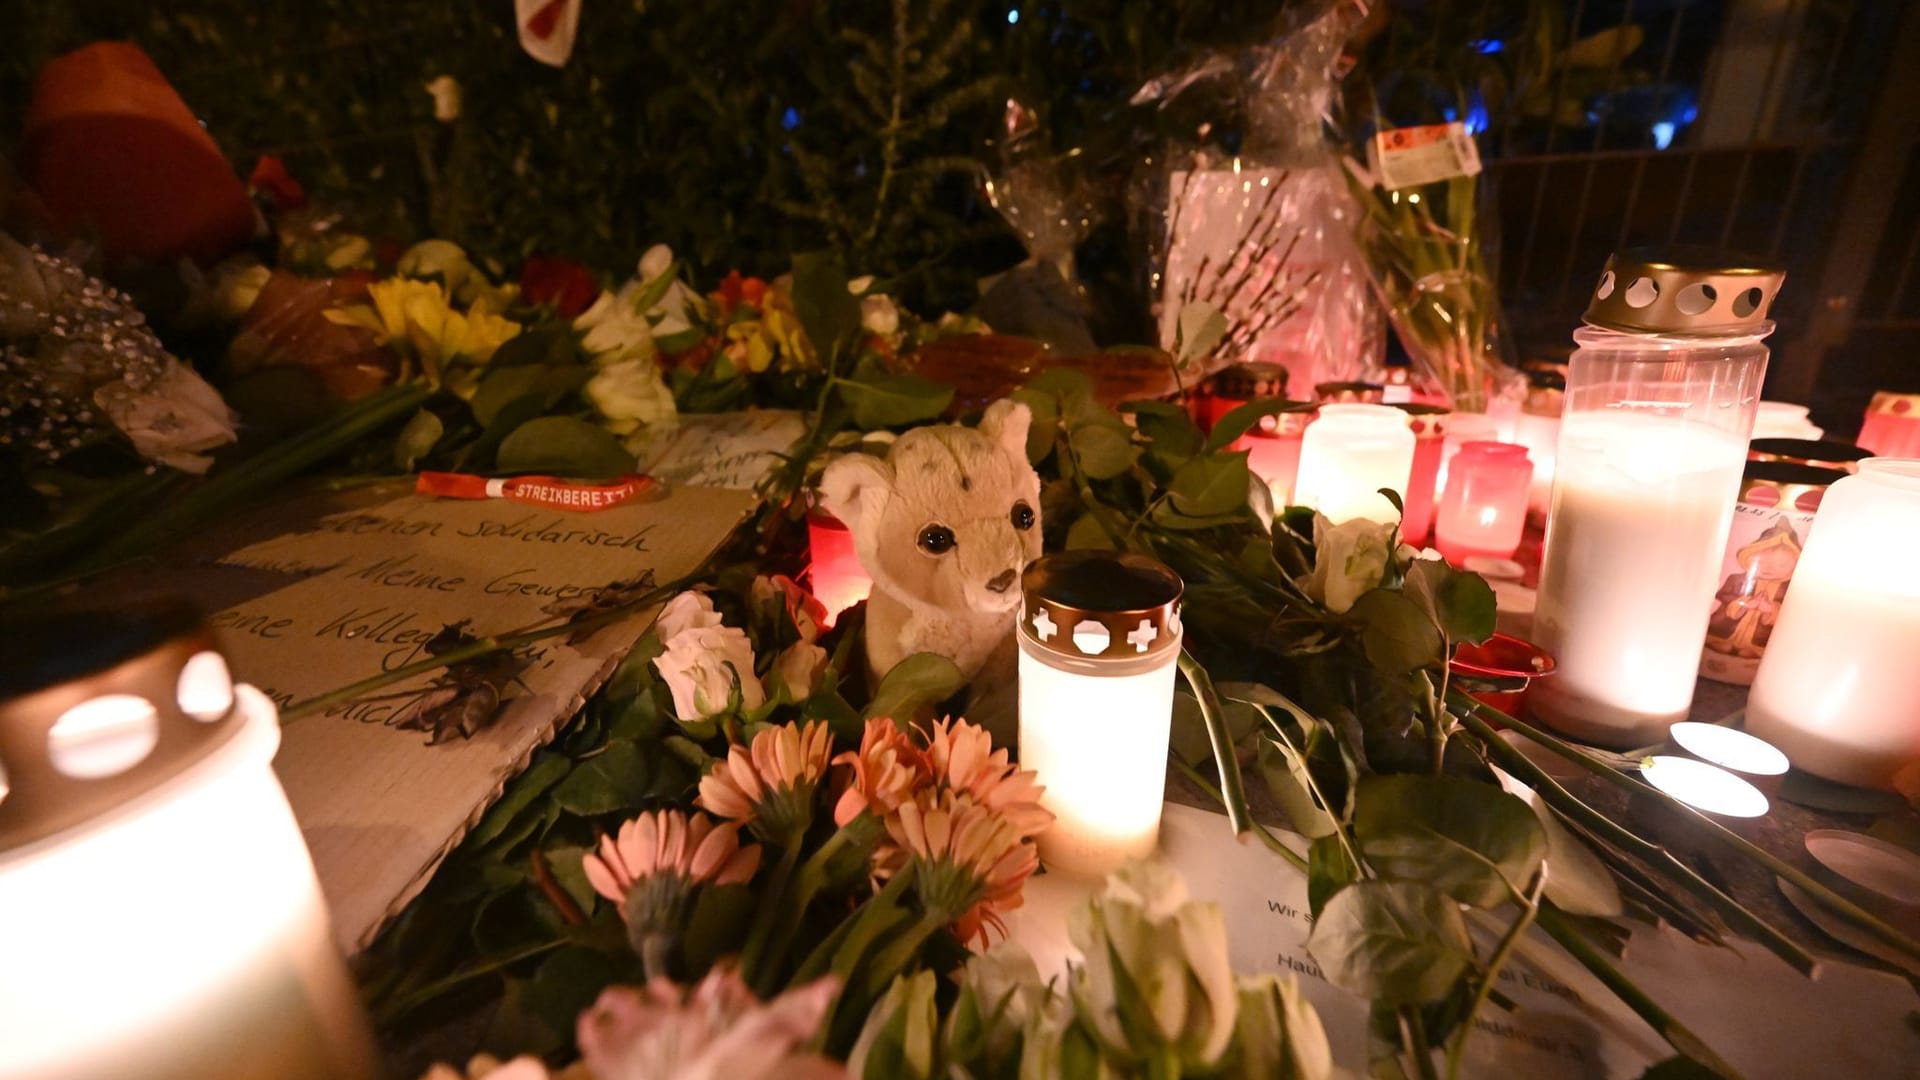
418 314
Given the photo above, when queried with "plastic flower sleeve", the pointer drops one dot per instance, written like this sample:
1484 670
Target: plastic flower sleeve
1250 215
1044 197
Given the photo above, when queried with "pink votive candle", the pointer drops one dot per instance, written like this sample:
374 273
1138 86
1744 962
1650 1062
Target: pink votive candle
1273 452
1484 507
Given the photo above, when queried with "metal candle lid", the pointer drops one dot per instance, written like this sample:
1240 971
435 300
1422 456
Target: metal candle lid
1816 452
99 707
1254 379
1369 393
1786 485
1427 421
1683 292
1101 605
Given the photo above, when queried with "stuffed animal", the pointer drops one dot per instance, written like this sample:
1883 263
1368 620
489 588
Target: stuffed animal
944 524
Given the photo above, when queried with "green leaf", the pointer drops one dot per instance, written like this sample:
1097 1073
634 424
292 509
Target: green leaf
1172 436
879 400
1087 533
568 981
542 773
1198 329
1467 838
718 925
1399 942
1211 484
827 311
840 717
919 681
540 346
417 439
1461 604
507 385
1242 418
563 445
620 777
1045 410
564 863
1397 635
1329 869
1104 450
1287 780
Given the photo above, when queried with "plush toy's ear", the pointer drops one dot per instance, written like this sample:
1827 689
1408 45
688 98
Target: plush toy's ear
852 484
1006 422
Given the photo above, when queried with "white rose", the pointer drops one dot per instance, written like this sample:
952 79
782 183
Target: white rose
879 315
614 329
657 260
689 611
446 98
631 395
797 671
703 668
1348 559
173 420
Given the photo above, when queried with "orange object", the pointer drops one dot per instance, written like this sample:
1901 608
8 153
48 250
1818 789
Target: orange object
548 491
113 152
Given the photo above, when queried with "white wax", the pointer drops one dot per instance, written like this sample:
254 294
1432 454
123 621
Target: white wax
1641 508
1348 455
1842 698
1099 745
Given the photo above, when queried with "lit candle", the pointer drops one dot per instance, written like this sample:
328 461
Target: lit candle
1709 789
1752 759
161 913
1273 452
1770 525
1235 386
1350 452
1836 689
834 574
1099 642
1782 420
1484 508
1429 426
1660 400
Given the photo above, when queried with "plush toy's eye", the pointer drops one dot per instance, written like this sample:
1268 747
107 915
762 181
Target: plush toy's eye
936 539
1022 516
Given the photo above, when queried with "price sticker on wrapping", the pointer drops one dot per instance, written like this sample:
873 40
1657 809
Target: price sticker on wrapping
1410 156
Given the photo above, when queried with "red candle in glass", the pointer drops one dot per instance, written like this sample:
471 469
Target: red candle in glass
1484 509
835 575
1429 434
1234 387
1273 452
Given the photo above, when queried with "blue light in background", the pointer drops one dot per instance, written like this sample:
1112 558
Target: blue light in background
1489 47
790 119
1663 134
1013 17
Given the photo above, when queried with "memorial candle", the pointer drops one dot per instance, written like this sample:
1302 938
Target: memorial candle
1660 401
1273 452
834 573
1349 454
1483 511
1836 688
161 913
1099 639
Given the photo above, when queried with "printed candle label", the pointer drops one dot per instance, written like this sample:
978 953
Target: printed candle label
1762 550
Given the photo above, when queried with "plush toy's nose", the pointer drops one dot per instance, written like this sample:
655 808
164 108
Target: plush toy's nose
1001 582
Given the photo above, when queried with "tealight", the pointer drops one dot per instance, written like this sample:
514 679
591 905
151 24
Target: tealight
1709 789
1753 759
835 575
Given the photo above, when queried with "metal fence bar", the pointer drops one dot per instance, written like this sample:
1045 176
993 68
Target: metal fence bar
1540 185
1761 117
1640 164
1593 167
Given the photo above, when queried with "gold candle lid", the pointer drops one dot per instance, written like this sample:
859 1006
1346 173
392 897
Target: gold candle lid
1683 292
61 765
1101 605
1283 425
1253 379
1889 403
1427 421
1818 453
1786 485
1366 393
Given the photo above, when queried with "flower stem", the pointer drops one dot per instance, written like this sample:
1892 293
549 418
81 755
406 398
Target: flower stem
766 915
1773 863
1413 1035
1266 837
656 956
1676 1034
1529 907
1233 793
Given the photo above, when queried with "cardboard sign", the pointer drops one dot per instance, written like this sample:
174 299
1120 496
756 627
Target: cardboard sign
1762 1016
724 450
371 587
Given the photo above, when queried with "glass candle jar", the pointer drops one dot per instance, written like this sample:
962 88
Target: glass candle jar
1836 689
1235 386
1099 642
834 573
1784 420
1429 426
1770 525
1350 452
1660 401
1484 509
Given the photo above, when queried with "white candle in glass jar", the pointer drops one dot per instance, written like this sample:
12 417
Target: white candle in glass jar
1641 508
1837 689
1351 451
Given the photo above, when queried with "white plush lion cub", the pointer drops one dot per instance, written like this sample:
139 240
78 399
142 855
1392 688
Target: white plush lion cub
944 525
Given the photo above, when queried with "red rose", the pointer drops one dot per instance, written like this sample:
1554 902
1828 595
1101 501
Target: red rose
736 290
568 286
271 179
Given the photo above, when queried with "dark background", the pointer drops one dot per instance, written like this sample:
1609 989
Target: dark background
745 131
